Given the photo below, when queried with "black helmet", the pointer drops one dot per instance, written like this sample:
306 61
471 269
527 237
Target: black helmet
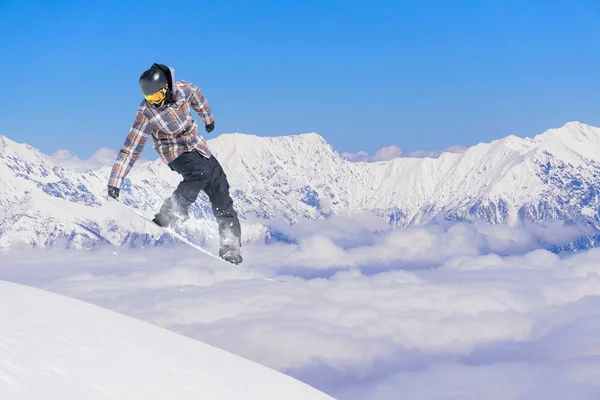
153 80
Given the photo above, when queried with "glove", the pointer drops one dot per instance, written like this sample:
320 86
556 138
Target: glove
113 192
210 127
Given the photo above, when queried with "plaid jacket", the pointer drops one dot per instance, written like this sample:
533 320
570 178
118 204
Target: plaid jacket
172 128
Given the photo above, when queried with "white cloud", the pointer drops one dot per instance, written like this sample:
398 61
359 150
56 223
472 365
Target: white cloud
436 154
66 159
360 156
426 311
387 153
383 154
390 152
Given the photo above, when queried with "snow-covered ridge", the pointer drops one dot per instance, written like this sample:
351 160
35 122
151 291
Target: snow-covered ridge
552 175
53 347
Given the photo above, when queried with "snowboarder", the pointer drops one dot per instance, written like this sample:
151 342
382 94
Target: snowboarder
165 115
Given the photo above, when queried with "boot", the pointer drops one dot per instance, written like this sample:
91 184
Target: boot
170 220
232 254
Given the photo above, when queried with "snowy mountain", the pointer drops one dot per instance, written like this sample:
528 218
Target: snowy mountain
56 348
554 175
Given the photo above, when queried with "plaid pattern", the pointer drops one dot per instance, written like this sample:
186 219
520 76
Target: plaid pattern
172 128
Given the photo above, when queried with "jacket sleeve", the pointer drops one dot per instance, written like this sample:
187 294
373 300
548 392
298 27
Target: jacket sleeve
200 104
131 150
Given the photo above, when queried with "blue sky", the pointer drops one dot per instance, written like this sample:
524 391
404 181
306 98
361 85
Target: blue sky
419 75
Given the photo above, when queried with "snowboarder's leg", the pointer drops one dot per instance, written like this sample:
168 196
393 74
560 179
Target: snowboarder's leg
222 206
195 170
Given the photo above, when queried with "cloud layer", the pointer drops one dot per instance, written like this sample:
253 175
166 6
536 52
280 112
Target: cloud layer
440 312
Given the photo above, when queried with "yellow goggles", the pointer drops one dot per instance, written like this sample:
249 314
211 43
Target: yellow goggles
157 97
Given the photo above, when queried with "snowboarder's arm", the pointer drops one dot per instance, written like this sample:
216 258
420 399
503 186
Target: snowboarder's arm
131 150
200 104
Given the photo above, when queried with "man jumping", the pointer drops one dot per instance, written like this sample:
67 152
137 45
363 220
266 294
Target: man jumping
165 115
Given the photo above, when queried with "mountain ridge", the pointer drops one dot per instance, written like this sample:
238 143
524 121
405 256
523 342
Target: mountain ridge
553 175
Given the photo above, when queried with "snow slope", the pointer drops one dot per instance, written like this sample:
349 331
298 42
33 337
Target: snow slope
555 175
56 348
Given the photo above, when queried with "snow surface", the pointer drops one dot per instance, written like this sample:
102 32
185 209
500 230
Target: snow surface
554 175
56 348
438 312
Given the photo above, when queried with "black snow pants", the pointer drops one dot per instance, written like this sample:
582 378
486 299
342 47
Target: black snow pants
201 173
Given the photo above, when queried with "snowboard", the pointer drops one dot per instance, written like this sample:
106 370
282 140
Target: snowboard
183 239
176 235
